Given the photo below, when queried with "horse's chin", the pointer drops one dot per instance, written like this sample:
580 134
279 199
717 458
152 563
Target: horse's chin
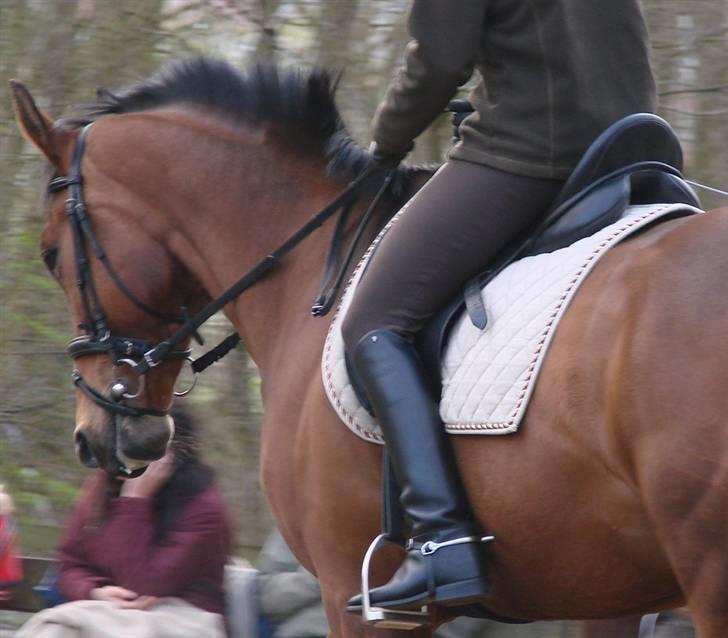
124 448
111 464
127 468
139 441
122 473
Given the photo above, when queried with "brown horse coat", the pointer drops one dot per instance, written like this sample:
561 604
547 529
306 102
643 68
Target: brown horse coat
609 501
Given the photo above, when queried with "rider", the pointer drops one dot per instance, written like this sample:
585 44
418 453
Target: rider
553 75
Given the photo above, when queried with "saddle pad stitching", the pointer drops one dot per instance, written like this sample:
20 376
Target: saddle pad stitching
544 335
363 432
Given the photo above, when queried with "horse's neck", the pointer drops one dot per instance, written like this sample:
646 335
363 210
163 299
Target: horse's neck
267 195
274 317
241 227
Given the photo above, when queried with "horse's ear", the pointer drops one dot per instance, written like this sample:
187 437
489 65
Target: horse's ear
35 125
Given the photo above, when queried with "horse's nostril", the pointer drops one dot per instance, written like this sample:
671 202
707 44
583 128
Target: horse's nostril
84 451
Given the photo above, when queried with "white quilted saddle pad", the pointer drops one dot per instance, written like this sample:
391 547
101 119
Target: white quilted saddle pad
489 375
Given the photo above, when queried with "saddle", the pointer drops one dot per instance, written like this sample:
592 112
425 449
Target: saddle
637 160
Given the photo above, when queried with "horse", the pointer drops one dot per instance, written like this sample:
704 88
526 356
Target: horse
609 502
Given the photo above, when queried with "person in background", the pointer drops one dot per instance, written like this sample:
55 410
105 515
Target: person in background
144 556
11 572
289 596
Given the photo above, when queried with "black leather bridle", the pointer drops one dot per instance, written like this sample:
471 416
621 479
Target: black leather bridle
140 355
124 351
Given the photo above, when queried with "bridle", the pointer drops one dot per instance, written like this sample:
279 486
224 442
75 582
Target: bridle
124 351
139 355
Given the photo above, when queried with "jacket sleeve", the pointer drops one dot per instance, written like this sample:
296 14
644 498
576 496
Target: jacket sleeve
137 562
441 55
76 576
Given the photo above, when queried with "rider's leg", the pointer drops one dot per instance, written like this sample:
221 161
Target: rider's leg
449 231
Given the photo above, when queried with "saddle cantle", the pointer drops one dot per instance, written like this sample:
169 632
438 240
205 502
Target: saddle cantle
637 160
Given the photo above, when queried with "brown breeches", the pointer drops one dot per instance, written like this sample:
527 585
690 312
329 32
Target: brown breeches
451 230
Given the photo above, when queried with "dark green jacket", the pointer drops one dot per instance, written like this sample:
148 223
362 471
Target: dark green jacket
554 74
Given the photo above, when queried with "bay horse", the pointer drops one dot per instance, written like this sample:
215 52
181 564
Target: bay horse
610 501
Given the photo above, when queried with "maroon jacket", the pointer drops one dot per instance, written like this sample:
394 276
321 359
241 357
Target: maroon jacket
188 563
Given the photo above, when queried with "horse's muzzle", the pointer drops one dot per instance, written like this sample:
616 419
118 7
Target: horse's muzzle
124 446
142 440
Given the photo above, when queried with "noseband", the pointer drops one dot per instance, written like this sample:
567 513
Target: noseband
139 355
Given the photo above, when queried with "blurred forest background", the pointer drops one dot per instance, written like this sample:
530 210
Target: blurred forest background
64 49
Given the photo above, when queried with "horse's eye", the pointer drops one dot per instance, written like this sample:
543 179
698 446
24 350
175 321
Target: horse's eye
50 257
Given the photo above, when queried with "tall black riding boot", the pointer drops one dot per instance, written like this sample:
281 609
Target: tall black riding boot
445 557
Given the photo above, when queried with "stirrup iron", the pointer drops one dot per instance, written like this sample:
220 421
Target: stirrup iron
387 618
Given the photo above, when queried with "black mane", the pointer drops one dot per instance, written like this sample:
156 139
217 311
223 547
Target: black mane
301 103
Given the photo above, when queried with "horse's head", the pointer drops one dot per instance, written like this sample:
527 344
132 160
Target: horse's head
124 288
182 182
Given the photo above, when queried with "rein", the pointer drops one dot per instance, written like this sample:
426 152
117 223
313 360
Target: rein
341 203
139 355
